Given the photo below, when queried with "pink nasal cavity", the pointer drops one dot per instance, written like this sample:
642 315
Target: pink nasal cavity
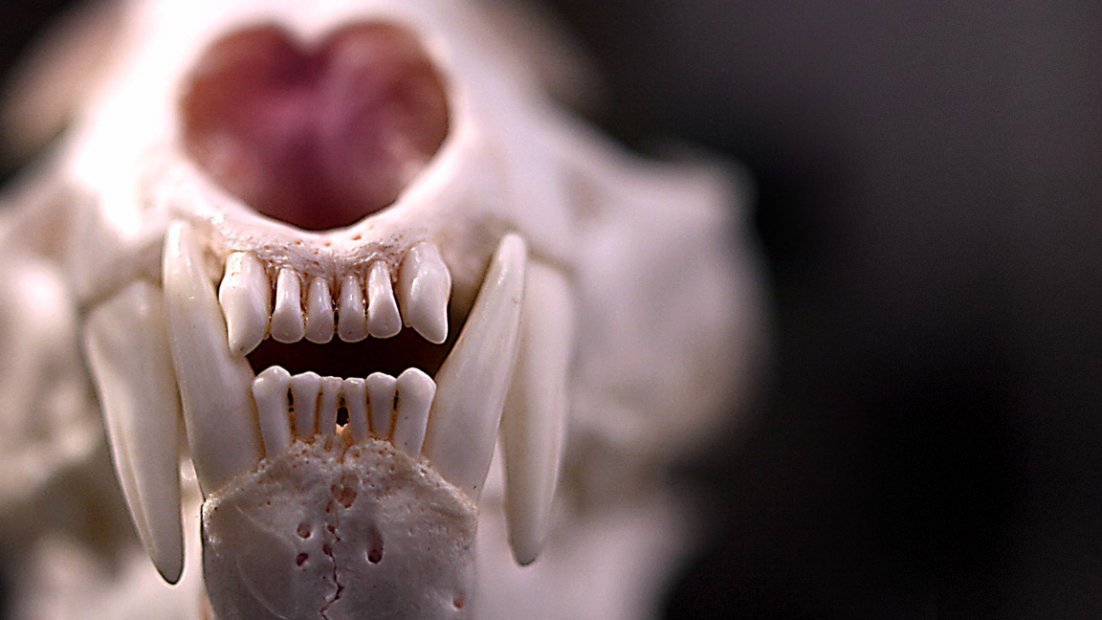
317 135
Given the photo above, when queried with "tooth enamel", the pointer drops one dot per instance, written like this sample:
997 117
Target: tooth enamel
304 392
383 320
327 407
415 392
319 312
381 389
245 297
127 347
424 285
354 393
214 385
273 409
471 384
288 322
352 321
534 421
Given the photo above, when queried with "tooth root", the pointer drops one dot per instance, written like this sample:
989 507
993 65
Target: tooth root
288 321
471 384
327 407
383 319
534 421
127 347
214 384
319 312
415 392
424 285
352 320
273 409
304 392
354 394
245 297
381 389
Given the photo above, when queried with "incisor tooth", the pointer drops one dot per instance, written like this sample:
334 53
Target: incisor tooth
273 409
415 392
304 392
534 421
424 286
127 347
351 317
319 312
327 406
214 384
383 319
245 297
381 389
354 393
471 384
288 322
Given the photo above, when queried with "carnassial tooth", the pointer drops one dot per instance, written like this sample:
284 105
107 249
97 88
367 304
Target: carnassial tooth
415 392
319 312
351 318
383 320
354 394
381 389
534 422
127 346
288 321
273 409
245 296
214 384
424 286
471 384
327 407
304 392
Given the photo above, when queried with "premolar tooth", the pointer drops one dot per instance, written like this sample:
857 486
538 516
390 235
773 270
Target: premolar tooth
381 389
424 285
273 409
245 297
383 320
304 392
127 347
534 421
415 392
352 320
354 393
288 322
327 407
471 384
319 312
214 384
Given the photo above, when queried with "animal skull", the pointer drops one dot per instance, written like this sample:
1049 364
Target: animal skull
354 247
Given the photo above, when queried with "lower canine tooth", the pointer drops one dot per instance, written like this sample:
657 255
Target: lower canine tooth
383 320
214 384
127 347
471 384
352 320
381 389
288 322
245 297
270 392
415 392
319 312
424 285
304 392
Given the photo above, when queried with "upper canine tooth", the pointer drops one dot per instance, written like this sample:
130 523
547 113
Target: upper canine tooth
319 312
127 348
273 409
214 384
381 389
351 317
304 392
288 322
245 297
424 286
383 320
472 382
415 392
354 393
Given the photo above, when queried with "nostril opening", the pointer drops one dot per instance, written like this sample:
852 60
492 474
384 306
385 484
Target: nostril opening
320 135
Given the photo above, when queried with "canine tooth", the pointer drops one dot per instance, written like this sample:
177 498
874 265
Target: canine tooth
127 347
381 389
424 285
327 407
415 392
319 312
354 392
304 392
245 297
273 409
534 421
471 384
351 320
288 322
214 384
383 320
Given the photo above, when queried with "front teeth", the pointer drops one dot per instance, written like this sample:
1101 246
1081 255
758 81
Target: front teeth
424 285
383 320
352 326
319 312
245 297
288 321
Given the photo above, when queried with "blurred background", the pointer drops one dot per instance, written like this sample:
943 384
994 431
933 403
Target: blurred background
928 183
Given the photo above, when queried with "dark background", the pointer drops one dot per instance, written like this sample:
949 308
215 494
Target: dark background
928 187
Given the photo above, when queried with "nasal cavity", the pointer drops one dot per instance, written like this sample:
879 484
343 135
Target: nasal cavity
317 135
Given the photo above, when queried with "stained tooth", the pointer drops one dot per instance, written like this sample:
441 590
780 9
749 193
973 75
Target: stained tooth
127 347
415 392
214 384
273 409
304 391
383 320
352 322
354 393
424 285
534 421
381 389
288 322
327 407
245 297
319 312
471 384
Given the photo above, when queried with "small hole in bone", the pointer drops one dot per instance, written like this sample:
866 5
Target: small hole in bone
458 603
301 559
375 552
304 530
342 416
344 494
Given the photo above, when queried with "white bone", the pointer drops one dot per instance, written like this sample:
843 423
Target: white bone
415 390
319 312
245 296
354 395
352 320
424 285
270 389
383 319
305 388
327 406
381 389
288 321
